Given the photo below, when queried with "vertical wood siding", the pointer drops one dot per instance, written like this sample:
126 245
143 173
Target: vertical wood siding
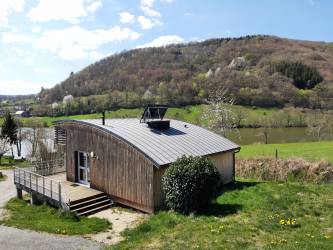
224 162
119 170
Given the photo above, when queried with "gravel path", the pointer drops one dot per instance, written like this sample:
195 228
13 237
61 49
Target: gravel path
7 188
13 238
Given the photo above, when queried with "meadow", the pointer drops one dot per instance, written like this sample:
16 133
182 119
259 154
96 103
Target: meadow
245 215
322 150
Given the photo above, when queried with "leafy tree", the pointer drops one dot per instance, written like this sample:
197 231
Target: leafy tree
189 183
9 130
304 76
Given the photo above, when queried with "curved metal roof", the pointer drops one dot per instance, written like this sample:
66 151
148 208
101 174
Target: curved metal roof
164 146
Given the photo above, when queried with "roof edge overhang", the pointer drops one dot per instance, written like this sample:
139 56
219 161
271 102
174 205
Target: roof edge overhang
108 131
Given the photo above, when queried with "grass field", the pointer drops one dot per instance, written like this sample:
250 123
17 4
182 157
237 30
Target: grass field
47 219
8 163
192 114
247 215
322 150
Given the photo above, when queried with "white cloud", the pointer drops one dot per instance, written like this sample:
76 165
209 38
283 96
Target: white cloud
36 29
21 87
126 17
22 56
147 8
78 43
94 6
162 41
14 38
48 10
145 22
8 7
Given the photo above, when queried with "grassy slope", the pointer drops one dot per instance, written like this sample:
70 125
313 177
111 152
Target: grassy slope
246 216
47 219
308 150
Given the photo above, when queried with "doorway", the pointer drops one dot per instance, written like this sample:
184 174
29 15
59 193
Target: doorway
83 168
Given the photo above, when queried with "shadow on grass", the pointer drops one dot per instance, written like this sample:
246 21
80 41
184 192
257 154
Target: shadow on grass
216 209
237 185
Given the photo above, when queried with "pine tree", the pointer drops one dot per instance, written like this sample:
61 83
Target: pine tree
9 130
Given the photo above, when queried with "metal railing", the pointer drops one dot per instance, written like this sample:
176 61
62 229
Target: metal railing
42 185
48 167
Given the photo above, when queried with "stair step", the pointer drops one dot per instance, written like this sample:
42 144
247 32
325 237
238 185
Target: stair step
94 210
87 198
86 202
108 201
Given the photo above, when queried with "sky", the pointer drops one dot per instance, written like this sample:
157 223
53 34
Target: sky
42 41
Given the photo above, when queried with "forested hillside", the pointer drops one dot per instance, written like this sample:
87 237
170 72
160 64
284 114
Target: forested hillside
260 70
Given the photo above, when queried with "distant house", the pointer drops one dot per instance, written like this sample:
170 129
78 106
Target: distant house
22 114
124 159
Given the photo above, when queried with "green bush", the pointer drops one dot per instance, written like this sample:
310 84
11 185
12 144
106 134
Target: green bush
189 183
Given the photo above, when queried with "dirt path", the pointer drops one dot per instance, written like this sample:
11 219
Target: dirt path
7 188
120 219
13 238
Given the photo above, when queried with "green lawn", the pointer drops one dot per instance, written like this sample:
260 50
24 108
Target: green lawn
8 162
322 150
51 220
248 215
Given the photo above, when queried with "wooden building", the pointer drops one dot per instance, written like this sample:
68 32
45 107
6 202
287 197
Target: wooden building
126 158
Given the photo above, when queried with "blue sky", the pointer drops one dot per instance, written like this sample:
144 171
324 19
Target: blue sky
42 41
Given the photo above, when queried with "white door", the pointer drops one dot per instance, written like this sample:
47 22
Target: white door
83 168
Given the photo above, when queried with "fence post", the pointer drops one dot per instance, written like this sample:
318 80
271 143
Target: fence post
37 183
51 188
30 180
24 179
59 192
43 185
276 154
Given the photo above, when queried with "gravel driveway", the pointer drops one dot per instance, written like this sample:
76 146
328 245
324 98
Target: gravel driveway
13 238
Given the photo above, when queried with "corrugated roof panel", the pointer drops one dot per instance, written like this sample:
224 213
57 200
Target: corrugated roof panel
165 146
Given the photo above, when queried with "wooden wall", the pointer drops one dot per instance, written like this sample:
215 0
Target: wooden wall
225 164
119 170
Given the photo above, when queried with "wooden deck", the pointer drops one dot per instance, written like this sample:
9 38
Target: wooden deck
53 187
74 191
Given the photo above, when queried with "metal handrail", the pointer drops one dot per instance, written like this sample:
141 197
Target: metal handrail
60 192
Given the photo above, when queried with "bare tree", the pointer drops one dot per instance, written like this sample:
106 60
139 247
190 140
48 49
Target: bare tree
4 147
219 114
316 124
266 123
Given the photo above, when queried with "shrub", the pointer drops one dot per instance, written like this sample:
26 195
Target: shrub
189 183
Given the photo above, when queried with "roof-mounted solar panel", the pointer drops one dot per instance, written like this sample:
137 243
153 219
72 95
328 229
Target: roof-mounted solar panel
153 112
153 116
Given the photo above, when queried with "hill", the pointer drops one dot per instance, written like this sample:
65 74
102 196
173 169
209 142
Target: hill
263 71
